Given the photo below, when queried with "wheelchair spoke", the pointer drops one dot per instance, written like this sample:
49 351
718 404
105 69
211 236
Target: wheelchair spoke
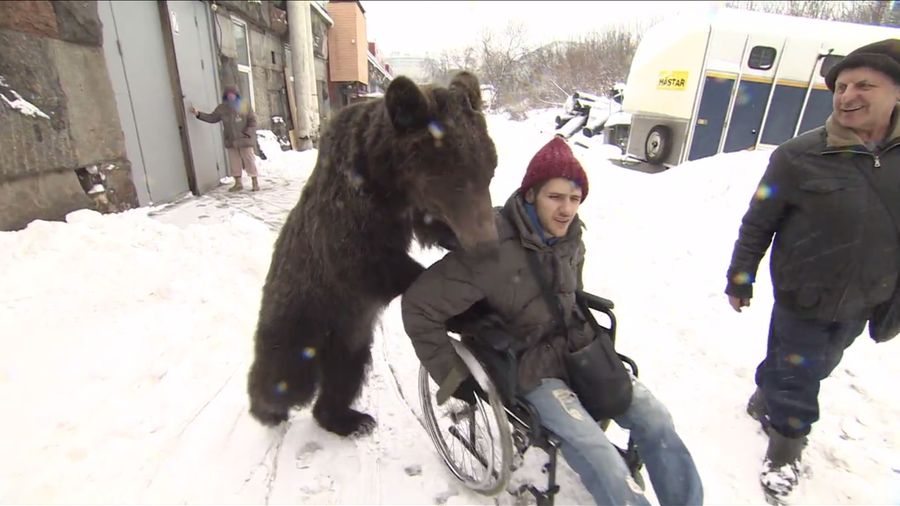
481 460
464 430
489 439
469 446
472 432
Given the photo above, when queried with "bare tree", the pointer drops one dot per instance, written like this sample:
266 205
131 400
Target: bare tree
867 12
593 62
501 56
440 67
525 77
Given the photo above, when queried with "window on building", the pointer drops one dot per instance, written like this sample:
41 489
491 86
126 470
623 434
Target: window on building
320 35
245 72
762 58
828 62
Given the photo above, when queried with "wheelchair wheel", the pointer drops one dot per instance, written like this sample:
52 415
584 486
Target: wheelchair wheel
474 441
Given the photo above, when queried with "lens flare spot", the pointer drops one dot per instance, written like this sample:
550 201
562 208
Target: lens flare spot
764 192
742 278
744 97
356 180
795 359
436 130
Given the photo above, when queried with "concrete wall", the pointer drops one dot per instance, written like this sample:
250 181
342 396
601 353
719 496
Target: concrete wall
267 41
58 115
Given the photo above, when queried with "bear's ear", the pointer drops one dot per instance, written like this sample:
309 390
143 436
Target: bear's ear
406 105
467 83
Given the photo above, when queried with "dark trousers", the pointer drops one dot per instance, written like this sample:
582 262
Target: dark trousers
800 354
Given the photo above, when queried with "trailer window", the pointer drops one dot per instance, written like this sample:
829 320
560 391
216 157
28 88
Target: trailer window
828 62
762 57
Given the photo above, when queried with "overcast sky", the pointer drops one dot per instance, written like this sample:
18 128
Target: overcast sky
417 27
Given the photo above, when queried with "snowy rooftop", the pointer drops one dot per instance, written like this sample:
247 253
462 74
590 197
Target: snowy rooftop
127 339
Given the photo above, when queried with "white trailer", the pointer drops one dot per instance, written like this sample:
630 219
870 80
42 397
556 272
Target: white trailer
682 92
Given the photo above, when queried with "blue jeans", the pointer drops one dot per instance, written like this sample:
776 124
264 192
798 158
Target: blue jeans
600 466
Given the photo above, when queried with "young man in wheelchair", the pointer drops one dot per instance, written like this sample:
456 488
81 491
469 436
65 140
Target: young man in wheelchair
529 287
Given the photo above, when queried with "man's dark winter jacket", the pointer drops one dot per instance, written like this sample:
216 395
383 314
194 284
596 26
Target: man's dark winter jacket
836 253
453 284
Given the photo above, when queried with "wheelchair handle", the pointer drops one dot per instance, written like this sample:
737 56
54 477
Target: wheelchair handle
597 302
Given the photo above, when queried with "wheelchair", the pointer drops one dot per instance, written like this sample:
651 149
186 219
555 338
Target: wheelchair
513 424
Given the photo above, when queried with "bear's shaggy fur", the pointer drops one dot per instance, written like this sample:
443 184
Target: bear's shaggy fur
417 163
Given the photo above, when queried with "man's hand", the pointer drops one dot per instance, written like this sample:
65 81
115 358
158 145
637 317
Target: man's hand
194 110
737 303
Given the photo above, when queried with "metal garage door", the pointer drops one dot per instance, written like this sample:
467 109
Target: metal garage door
135 55
197 70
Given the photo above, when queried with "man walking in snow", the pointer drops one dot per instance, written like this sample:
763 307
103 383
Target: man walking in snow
239 135
831 198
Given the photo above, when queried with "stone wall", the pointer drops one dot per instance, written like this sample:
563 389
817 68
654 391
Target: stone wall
267 36
58 116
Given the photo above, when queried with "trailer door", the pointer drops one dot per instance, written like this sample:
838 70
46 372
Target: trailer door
711 115
759 69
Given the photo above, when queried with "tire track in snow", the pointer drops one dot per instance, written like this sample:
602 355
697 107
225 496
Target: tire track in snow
399 368
395 464
397 386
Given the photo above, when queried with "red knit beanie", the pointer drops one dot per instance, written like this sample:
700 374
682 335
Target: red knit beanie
555 160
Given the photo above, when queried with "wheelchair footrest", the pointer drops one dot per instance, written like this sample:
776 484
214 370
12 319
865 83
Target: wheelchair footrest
543 498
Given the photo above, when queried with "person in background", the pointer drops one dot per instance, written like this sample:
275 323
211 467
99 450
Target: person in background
830 198
239 123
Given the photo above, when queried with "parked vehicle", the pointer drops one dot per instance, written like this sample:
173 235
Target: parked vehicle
702 84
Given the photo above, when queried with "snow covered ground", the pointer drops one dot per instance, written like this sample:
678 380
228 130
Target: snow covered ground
126 342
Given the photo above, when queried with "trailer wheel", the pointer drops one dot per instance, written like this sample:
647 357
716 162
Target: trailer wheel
658 145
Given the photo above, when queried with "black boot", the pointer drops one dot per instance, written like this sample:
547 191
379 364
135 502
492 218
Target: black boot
756 408
781 468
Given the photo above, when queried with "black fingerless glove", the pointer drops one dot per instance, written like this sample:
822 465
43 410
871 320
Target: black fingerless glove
467 390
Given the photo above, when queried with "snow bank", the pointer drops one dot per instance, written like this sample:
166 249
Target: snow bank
288 164
117 329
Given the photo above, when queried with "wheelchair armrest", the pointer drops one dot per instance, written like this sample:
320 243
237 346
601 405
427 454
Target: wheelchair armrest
631 364
596 302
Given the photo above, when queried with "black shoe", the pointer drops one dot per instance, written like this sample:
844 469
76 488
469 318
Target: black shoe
781 467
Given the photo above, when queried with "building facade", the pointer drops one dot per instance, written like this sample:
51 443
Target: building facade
350 60
96 95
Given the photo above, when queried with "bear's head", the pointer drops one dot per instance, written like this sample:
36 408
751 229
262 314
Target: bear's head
443 156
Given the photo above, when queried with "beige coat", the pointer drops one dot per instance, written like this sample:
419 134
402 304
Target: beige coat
239 126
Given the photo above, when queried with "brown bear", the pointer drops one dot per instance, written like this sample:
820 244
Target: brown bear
416 163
